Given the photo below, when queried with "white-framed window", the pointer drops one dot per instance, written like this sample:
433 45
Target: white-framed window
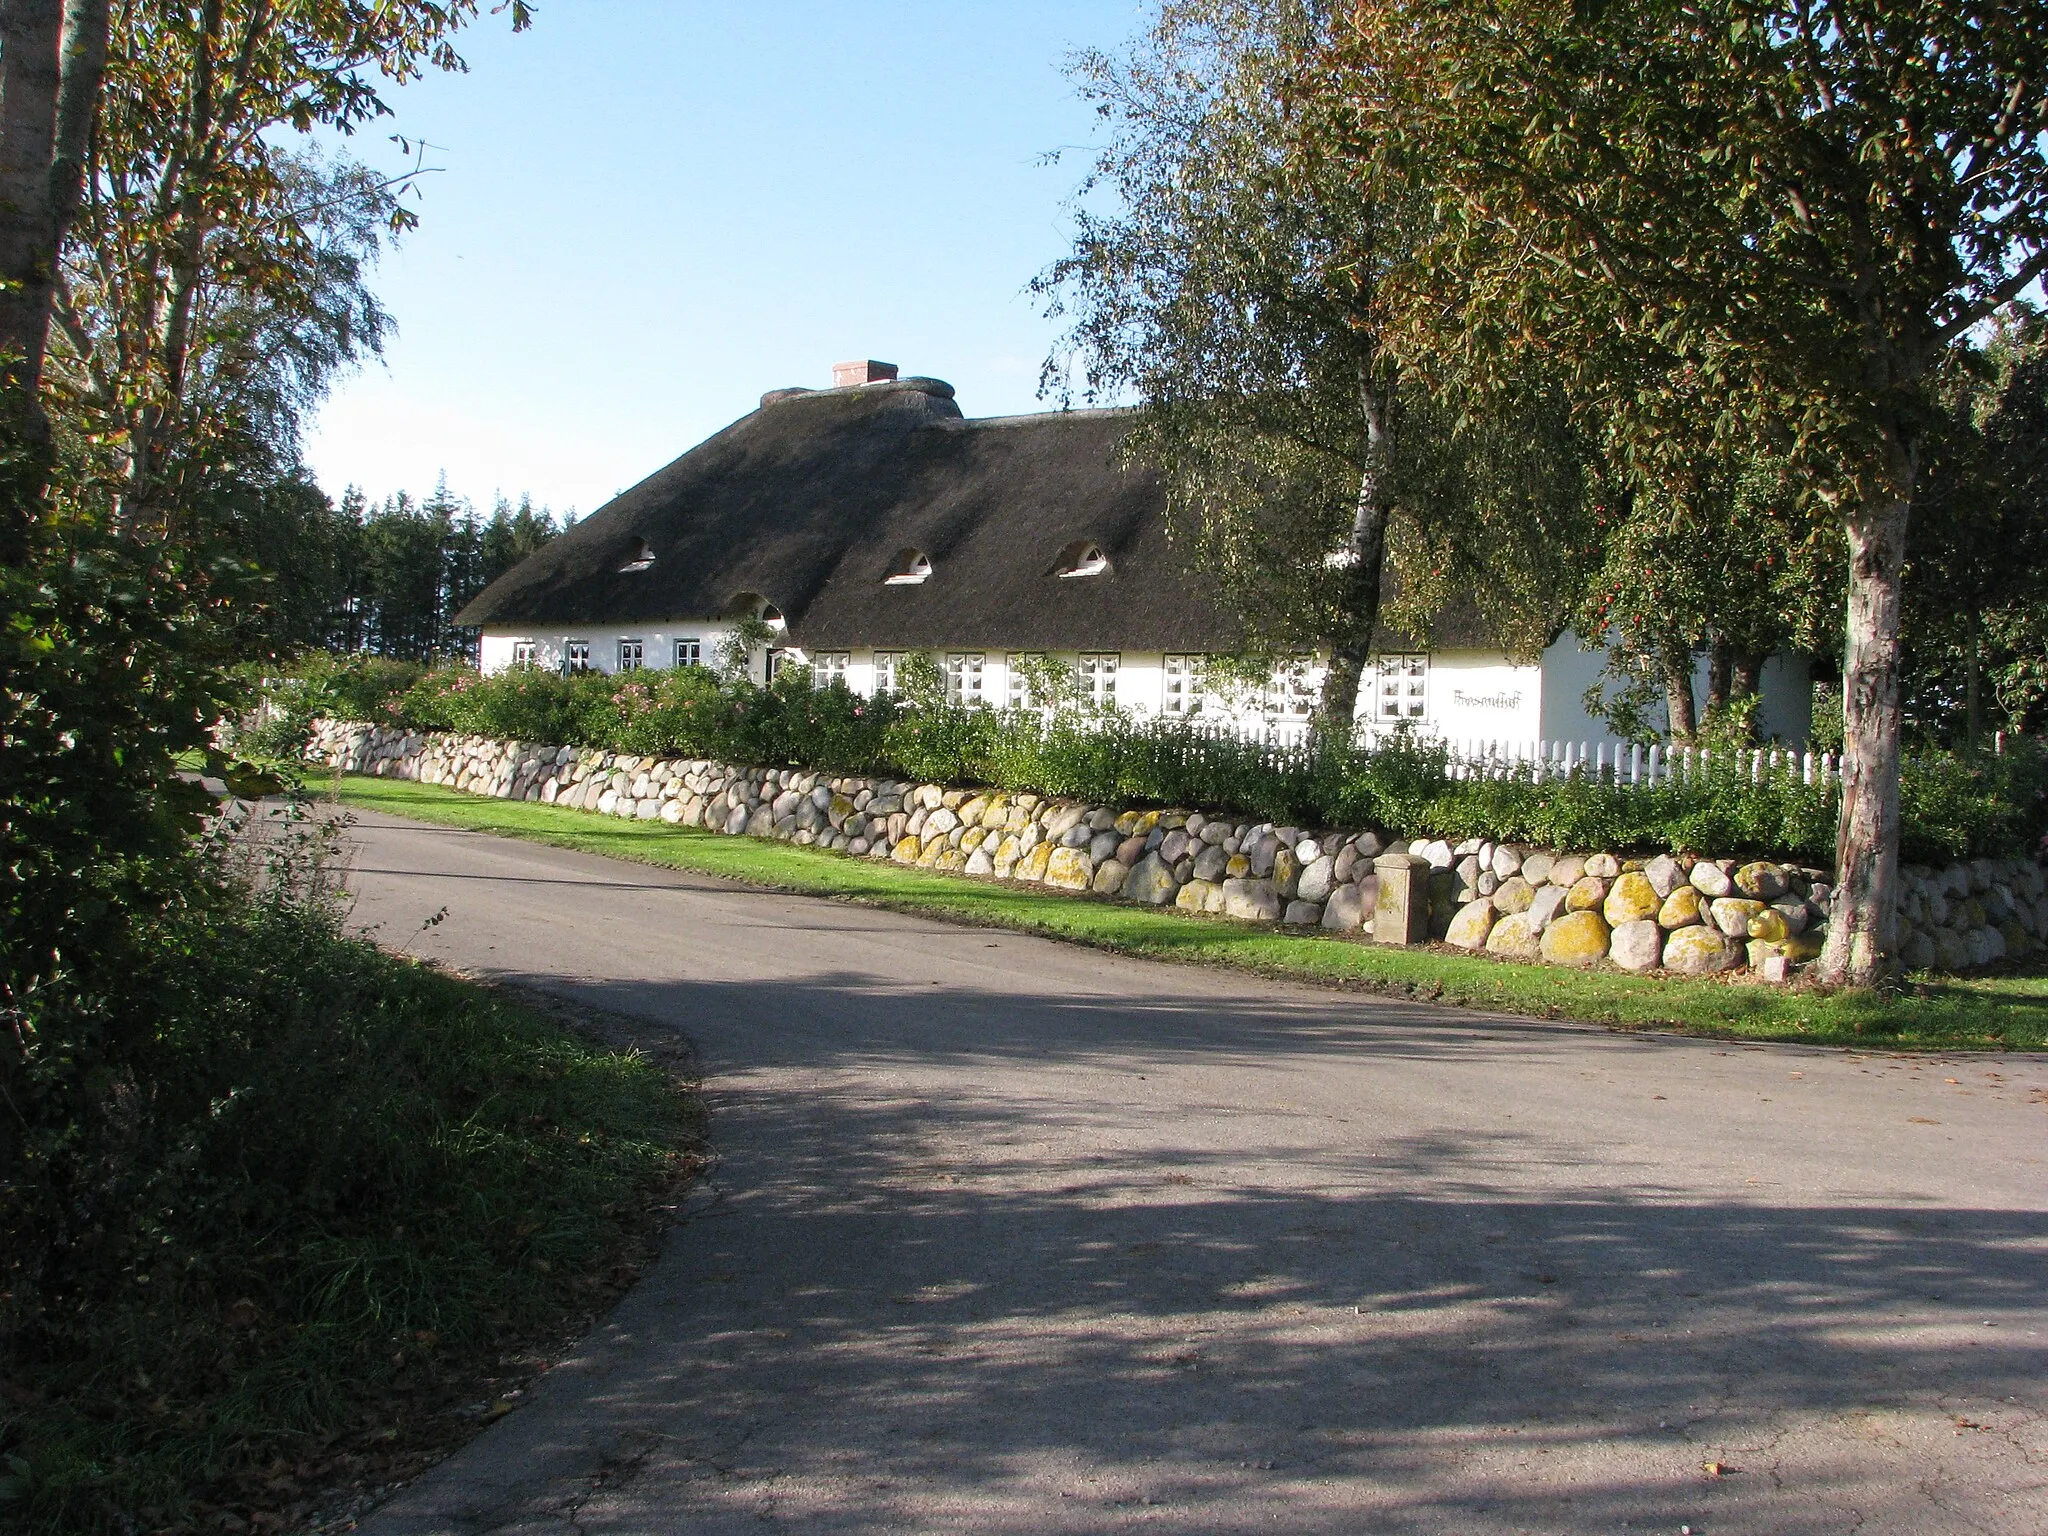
1294 694
1017 665
1400 688
690 652
525 653
886 663
1180 695
963 678
1096 678
632 655
829 667
576 656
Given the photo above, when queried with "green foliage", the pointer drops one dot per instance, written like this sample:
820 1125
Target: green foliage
311 1164
1405 785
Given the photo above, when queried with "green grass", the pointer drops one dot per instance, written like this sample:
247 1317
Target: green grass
367 1182
2009 1011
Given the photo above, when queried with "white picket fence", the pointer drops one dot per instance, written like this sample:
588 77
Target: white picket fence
1613 762
1631 763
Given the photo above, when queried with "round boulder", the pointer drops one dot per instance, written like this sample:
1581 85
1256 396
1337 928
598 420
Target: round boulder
1472 924
1762 881
1681 908
1587 894
1732 914
1513 939
1631 900
1636 945
1578 938
1700 951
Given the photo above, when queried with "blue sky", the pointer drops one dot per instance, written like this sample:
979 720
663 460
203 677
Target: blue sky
650 211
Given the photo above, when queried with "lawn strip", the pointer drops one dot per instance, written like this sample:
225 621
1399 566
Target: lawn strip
2007 1011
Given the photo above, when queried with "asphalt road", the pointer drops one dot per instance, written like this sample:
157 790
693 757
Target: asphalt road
1011 1236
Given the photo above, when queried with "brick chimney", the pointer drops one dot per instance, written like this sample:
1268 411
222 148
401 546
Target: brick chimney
862 371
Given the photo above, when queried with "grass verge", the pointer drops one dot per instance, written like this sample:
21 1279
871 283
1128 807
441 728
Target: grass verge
367 1200
2007 1011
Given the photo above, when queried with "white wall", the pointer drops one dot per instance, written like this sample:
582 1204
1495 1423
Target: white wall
657 643
1476 695
1471 695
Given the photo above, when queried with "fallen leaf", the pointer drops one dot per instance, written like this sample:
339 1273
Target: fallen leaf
1920 1120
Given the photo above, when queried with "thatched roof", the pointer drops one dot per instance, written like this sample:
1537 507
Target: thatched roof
812 501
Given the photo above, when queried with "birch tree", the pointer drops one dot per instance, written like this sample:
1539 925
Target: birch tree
1225 278
1805 201
52 53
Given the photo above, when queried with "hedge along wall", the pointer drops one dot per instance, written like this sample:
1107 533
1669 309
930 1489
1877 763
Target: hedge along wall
1681 914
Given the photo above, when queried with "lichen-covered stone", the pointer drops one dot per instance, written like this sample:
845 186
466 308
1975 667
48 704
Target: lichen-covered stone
1731 914
1586 894
1513 894
1770 926
1761 881
1578 939
1194 896
1700 951
1631 900
907 849
1033 865
1711 880
1636 945
1513 939
1566 869
1681 909
1251 899
1069 869
1470 927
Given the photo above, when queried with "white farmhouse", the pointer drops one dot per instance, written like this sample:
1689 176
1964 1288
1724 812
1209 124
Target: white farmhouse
872 520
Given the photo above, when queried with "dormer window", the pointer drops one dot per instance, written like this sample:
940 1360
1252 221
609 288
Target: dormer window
1084 557
908 569
641 558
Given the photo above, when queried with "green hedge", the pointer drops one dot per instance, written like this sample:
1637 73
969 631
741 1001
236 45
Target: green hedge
1954 807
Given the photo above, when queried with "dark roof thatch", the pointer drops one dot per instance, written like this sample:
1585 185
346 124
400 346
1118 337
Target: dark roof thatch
810 500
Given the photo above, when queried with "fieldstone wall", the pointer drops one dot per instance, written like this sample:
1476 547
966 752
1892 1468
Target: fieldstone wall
1692 916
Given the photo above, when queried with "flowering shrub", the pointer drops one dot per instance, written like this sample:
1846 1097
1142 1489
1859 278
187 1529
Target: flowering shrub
1954 806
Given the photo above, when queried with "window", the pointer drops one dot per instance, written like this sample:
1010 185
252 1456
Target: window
963 680
908 569
631 654
1083 557
885 670
829 667
524 653
642 556
1402 688
690 653
1019 668
1180 697
576 656
1294 694
1096 676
